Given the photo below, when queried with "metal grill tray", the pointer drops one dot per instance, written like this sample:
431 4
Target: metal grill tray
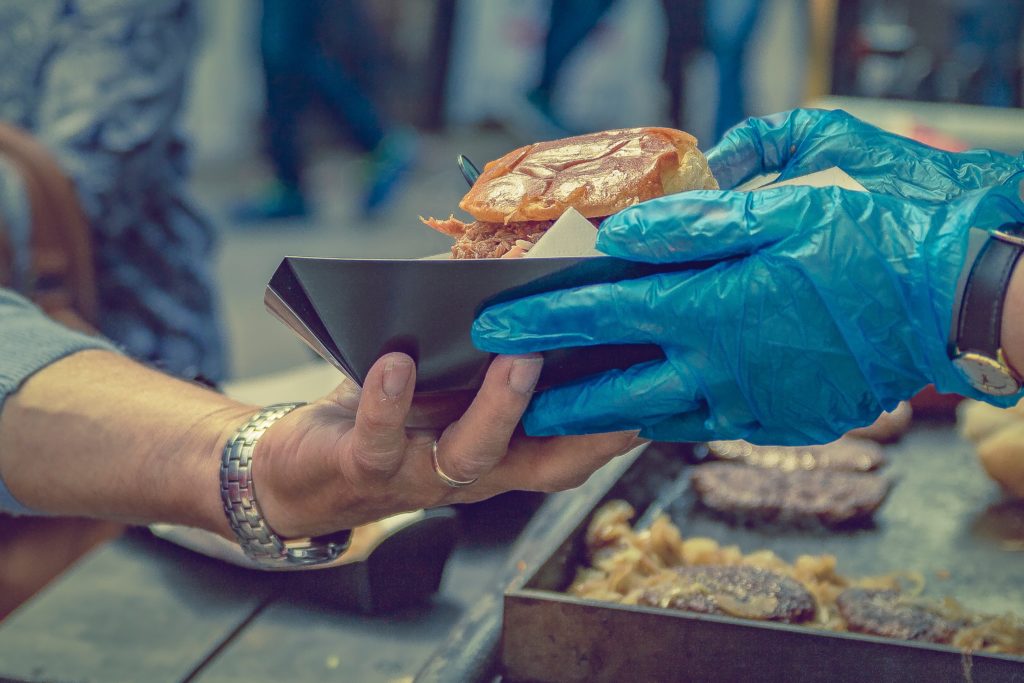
944 517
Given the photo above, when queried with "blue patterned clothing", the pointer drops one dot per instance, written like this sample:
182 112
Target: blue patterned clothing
100 83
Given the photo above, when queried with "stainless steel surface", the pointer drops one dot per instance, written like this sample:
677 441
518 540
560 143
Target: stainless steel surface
944 519
470 651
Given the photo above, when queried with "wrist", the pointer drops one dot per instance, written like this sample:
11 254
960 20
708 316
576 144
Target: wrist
261 542
196 495
1012 336
281 480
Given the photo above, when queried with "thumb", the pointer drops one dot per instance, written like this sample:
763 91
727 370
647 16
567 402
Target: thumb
706 225
764 145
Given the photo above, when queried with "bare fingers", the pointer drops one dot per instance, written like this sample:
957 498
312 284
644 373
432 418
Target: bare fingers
558 463
379 437
474 444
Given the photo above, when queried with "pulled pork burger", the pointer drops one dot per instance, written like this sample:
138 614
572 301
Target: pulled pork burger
519 196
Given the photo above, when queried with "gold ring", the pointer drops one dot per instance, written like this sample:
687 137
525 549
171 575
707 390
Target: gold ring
454 483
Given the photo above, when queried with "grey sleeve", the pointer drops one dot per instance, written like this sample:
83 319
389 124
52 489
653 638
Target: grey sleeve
29 341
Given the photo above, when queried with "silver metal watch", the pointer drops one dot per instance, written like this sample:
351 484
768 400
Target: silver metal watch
238 493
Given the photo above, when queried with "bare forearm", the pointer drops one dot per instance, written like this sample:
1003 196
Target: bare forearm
1013 320
98 435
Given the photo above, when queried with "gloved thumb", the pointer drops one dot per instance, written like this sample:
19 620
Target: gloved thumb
767 144
707 225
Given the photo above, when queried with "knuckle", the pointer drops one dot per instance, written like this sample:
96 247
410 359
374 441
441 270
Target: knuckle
372 466
829 115
463 467
436 497
500 429
378 456
380 421
564 481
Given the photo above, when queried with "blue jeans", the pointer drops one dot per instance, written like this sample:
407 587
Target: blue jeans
730 24
295 67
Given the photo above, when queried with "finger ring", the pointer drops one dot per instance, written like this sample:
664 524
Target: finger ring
454 483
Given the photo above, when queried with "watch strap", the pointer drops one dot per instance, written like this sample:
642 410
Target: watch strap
238 494
981 312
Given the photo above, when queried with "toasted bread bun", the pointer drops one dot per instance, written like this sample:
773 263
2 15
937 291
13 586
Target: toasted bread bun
978 421
889 426
1002 456
596 174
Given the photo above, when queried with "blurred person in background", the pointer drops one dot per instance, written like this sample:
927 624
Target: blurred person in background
100 86
570 22
730 24
726 26
988 51
685 22
295 68
96 88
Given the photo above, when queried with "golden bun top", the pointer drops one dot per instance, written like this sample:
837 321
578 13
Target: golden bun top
597 174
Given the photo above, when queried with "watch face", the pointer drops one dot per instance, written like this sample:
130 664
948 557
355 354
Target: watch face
986 374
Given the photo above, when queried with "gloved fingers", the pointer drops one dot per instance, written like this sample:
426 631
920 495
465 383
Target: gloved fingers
585 316
765 145
980 168
706 224
614 401
689 427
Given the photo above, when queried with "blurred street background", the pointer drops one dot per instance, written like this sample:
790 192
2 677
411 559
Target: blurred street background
480 78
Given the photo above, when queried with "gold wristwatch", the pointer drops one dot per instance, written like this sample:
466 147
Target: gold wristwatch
976 333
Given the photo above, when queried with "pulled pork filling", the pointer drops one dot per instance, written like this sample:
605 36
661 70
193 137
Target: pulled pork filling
492 240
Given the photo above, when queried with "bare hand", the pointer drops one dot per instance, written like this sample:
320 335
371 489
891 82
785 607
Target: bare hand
356 456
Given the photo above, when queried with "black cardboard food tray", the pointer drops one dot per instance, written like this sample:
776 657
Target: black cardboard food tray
943 516
350 311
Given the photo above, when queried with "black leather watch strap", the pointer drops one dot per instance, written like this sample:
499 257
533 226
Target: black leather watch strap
981 312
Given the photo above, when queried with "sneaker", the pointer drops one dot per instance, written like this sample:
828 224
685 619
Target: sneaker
391 161
278 202
541 103
533 118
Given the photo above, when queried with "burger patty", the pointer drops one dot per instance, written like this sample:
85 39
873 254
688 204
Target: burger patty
494 240
734 590
855 455
480 239
879 612
755 494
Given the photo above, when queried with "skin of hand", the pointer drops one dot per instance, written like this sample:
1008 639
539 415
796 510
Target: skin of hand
803 141
999 434
821 308
1000 455
361 462
98 435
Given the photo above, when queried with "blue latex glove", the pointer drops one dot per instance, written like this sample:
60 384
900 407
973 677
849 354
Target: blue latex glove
803 141
828 306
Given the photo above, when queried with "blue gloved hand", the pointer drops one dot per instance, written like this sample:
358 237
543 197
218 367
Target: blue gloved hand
803 141
827 307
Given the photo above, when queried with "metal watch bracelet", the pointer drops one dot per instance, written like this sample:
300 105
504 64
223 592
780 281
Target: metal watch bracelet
238 494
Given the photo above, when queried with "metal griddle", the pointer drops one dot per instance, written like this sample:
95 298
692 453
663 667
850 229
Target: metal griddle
944 517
